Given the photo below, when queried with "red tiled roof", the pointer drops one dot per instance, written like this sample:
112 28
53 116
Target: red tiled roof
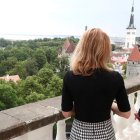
135 55
66 44
13 78
69 46
70 49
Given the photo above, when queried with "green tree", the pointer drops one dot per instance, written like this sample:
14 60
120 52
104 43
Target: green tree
40 58
51 54
30 85
34 97
124 68
54 87
2 57
31 67
7 65
8 96
2 106
4 43
20 53
113 47
44 76
19 69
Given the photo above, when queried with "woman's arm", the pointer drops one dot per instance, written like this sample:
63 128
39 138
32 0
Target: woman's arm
69 113
118 112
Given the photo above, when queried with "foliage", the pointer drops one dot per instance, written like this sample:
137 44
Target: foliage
40 58
110 65
33 97
4 43
44 76
2 106
8 96
54 88
113 47
37 64
19 69
31 67
124 68
29 85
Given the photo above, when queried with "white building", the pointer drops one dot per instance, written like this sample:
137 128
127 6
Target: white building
133 63
130 31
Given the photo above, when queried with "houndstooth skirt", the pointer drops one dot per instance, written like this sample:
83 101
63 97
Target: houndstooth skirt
92 131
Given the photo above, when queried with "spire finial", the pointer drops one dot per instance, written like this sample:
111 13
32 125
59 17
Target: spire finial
131 23
132 7
133 3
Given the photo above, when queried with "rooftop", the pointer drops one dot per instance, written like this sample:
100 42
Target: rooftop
13 78
134 55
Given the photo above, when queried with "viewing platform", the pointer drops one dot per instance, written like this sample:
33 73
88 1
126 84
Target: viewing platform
35 121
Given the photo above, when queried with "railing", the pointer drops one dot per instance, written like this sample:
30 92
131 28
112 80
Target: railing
35 121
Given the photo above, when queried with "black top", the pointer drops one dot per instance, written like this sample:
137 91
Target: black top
93 95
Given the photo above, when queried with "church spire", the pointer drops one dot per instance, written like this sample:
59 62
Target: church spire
131 23
130 39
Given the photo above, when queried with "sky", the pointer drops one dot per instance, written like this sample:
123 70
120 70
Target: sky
65 17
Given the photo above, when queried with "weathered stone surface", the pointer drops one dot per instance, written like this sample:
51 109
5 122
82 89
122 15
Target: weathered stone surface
53 102
7 121
132 84
29 112
22 113
20 120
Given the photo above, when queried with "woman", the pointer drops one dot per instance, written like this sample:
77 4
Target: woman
90 88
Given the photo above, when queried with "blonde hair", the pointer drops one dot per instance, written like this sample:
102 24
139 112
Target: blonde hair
92 51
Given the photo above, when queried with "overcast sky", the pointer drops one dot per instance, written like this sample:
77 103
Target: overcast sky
66 17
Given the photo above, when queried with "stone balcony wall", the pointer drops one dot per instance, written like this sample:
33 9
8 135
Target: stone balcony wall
23 119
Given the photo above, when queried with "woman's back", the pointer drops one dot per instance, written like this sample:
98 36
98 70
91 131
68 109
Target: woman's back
93 95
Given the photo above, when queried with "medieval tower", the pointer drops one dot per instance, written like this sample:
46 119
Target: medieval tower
130 31
133 63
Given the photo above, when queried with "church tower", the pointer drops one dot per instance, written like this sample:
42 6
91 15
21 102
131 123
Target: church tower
130 31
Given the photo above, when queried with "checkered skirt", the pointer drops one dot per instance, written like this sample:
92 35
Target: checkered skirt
92 131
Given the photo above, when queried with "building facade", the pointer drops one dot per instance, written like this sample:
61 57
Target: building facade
133 63
130 31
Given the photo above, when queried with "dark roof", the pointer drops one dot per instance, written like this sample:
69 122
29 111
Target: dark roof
131 23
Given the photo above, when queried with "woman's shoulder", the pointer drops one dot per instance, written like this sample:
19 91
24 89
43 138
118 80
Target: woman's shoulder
112 73
109 71
68 74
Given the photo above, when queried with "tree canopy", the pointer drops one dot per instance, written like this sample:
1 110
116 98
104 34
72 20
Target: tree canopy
37 64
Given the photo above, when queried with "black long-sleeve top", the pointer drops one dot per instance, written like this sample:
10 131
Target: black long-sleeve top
92 96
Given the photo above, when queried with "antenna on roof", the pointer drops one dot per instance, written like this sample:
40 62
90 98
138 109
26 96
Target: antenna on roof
85 27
